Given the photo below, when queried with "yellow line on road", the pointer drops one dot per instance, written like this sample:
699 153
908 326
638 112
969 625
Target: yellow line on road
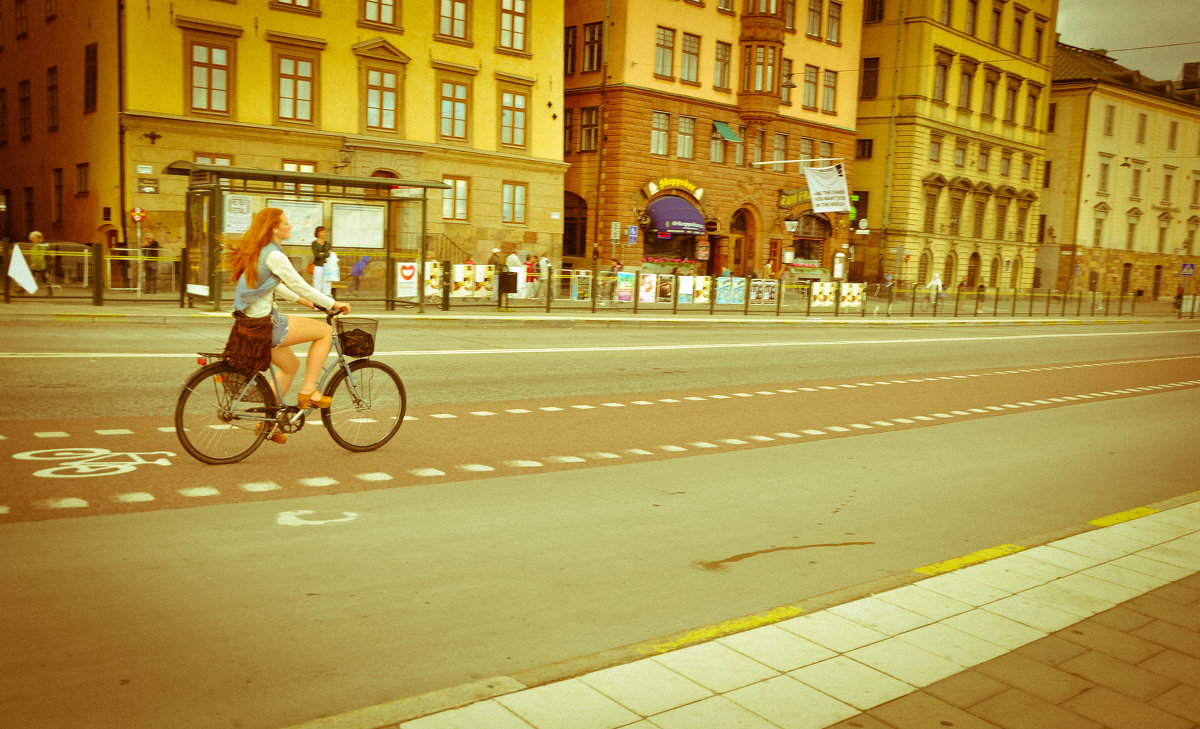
1123 516
729 627
967 560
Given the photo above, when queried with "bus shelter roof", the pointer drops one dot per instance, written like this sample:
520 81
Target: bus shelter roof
215 173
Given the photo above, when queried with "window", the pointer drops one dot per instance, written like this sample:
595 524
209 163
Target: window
716 147
52 98
1190 240
1046 175
1195 186
589 128
814 17
513 20
56 201
24 110
829 101
381 99
972 19
789 14
935 148
569 40
568 124
512 203
1051 117
726 5
785 90
1098 230
689 60
1022 222
1001 217
1173 135
660 125
380 11
869 85
826 152
985 154
685 135
941 72
21 18
664 52
1141 129
931 201
1026 168
1164 222
294 3
452 18
1031 107
739 147
760 144
990 83
83 179
810 86
1018 31
454 199
593 34
295 88
960 155
299 166
210 77
91 77
512 118
452 101
1168 194
1006 163
864 148
966 82
994 35
833 22
1110 119
956 211
873 11
1135 185
1039 39
1131 227
807 152
981 202
721 68
1010 100
222 160
1102 178
779 153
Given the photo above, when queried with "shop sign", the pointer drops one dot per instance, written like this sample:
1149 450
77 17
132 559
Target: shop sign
675 183
792 198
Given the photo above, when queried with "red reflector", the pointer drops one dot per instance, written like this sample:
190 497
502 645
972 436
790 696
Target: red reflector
201 361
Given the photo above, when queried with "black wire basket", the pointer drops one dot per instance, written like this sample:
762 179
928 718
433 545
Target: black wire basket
357 336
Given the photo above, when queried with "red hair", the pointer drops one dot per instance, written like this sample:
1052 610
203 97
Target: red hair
241 256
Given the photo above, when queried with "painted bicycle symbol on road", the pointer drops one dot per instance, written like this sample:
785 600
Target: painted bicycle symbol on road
87 462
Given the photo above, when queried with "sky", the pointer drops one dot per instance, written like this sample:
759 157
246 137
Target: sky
1128 24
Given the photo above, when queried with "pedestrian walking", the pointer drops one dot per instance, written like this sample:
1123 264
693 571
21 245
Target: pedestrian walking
935 288
356 273
37 258
150 263
321 249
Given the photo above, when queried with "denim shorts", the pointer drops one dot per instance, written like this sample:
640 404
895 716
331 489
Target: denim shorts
279 327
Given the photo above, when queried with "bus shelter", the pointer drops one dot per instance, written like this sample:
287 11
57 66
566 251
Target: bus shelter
377 226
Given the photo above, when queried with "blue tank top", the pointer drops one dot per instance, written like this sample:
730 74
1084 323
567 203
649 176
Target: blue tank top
267 281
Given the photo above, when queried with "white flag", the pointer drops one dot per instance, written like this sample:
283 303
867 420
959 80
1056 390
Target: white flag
827 185
18 270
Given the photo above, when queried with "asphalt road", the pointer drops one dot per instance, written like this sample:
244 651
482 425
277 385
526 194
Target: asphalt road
542 505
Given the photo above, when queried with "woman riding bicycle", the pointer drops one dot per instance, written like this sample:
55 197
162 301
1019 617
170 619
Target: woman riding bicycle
262 272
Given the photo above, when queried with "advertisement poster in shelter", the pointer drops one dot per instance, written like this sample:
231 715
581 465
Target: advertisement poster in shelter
406 280
463 284
433 278
647 286
703 289
687 287
738 294
626 281
581 286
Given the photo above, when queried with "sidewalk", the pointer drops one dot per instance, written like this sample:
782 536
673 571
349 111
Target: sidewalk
163 310
1098 629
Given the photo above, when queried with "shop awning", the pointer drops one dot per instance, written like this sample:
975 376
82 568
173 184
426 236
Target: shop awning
726 132
675 215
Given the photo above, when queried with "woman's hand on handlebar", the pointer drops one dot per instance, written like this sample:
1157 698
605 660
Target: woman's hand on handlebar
342 306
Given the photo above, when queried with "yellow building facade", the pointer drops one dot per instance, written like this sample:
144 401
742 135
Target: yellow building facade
456 90
951 117
1124 194
702 109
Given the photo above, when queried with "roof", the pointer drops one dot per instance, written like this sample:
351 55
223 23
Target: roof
1073 65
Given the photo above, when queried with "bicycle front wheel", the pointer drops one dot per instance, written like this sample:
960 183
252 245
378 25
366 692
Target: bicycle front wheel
368 406
219 412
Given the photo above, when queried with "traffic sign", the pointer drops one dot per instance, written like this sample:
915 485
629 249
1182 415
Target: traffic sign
1187 269
137 214
633 235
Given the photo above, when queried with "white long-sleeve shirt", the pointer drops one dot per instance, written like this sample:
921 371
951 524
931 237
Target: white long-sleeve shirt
291 287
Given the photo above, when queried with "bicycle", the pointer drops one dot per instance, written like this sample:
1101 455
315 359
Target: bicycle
224 415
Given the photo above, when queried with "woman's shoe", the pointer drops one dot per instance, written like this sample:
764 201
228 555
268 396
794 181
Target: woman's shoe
273 435
313 399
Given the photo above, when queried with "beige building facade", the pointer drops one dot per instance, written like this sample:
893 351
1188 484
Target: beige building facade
951 117
456 90
671 106
1124 189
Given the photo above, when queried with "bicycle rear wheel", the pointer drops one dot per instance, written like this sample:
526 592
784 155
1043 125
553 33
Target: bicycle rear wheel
368 406
219 411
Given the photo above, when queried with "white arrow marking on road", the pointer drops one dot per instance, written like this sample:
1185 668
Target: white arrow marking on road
294 518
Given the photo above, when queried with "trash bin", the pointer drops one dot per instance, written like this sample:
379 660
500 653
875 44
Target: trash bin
508 282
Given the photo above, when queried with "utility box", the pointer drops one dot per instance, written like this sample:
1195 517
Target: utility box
508 282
